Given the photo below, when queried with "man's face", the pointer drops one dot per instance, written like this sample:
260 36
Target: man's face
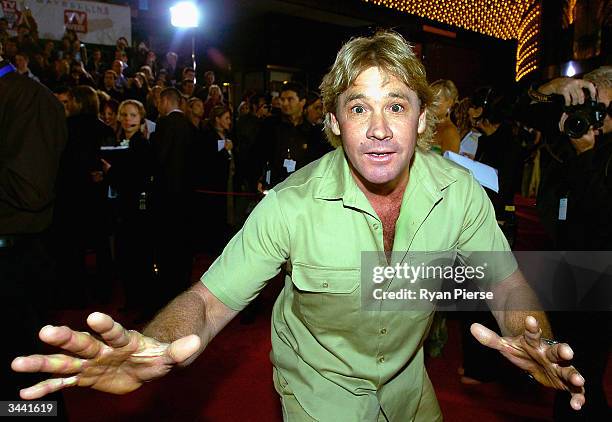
209 77
378 118
97 55
21 63
121 44
189 74
291 105
65 100
117 67
314 112
187 87
224 121
109 80
197 108
163 106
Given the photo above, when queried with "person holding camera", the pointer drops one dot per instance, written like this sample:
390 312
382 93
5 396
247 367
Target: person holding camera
575 204
576 175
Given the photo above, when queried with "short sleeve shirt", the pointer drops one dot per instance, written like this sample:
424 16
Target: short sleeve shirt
340 361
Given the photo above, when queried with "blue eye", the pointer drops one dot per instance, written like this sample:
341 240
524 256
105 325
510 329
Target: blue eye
358 109
396 108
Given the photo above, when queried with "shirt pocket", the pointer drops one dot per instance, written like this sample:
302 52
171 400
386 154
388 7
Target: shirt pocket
326 297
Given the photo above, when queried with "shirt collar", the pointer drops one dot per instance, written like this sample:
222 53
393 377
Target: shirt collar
338 182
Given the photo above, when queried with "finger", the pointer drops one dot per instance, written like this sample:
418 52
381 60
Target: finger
532 333
182 349
592 90
567 97
571 379
486 337
55 364
111 331
79 343
578 95
47 387
559 353
577 401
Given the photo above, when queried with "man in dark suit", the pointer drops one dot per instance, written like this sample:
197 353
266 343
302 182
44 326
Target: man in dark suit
32 138
173 142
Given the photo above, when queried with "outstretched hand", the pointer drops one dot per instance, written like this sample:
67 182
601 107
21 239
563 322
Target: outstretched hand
548 364
120 362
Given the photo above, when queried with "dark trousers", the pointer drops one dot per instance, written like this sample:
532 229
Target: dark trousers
589 334
173 251
25 271
134 239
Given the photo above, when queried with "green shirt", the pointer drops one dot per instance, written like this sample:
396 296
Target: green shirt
341 362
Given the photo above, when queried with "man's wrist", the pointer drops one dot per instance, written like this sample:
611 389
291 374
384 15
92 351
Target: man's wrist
539 97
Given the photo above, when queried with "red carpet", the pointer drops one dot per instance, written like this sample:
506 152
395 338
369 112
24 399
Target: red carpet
232 381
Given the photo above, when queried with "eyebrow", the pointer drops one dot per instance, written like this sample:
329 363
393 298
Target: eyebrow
360 96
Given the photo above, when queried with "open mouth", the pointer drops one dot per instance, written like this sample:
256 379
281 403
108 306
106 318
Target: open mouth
380 156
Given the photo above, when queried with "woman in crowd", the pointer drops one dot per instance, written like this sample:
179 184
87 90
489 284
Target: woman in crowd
215 98
216 166
447 135
109 116
130 173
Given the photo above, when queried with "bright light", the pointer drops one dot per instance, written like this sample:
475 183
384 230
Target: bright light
184 14
570 70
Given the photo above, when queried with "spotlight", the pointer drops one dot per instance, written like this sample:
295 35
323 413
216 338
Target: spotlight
184 14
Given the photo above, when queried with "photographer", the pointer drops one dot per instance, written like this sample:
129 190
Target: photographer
576 173
575 204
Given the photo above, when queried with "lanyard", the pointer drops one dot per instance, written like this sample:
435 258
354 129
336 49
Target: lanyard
6 69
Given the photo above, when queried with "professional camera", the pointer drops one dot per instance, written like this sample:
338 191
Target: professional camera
582 116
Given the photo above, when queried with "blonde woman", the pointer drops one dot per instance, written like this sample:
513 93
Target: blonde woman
446 137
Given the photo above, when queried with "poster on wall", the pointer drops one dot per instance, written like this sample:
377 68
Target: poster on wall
94 22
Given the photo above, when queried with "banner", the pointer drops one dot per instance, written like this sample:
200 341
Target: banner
94 22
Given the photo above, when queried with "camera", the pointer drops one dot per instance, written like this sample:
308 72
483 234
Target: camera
582 116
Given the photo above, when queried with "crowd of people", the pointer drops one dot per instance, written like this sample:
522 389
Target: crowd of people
138 127
149 152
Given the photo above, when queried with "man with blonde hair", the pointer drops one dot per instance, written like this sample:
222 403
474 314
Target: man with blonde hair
379 190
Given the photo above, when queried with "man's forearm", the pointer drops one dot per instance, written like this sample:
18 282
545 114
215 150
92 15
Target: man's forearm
514 301
184 316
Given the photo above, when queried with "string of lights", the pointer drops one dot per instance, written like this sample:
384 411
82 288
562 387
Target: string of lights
504 19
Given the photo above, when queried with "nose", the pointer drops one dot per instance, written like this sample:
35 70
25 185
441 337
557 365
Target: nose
378 128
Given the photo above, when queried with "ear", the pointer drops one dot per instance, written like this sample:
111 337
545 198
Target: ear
333 124
422 122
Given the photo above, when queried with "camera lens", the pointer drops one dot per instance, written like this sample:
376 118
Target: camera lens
576 125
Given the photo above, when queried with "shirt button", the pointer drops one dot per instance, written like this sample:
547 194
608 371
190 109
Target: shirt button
381 359
383 331
375 226
325 284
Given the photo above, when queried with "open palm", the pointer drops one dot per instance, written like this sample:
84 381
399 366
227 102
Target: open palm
119 362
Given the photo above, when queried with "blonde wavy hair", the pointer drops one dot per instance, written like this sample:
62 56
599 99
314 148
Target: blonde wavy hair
135 103
391 53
